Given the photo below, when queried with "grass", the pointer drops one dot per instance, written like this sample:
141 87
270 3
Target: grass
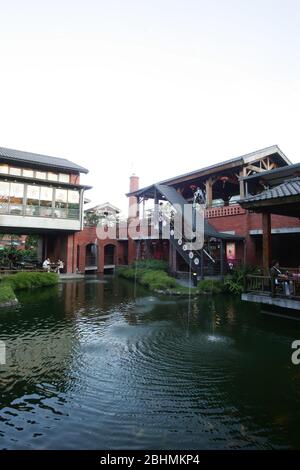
10 284
152 274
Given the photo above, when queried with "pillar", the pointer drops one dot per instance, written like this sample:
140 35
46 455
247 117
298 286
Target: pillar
209 193
266 227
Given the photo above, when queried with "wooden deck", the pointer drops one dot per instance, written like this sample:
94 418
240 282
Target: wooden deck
283 293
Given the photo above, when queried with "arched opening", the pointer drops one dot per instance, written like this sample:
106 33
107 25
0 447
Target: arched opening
91 256
109 255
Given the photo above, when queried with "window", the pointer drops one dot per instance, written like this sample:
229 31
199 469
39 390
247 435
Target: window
64 178
15 171
4 169
4 197
73 204
40 175
52 176
61 203
16 198
28 173
46 196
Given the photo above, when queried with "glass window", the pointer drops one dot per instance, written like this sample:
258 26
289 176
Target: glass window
4 168
64 178
73 197
4 197
16 193
52 176
40 175
28 173
73 204
16 198
15 171
61 203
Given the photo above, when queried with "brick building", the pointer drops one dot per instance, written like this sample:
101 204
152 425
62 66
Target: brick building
238 232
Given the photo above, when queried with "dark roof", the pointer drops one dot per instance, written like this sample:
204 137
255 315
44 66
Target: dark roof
36 159
227 164
276 176
284 190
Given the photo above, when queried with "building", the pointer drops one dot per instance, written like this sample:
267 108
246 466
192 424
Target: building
277 193
233 234
42 195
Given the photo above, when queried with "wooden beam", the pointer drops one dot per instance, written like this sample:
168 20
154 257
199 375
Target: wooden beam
208 188
266 227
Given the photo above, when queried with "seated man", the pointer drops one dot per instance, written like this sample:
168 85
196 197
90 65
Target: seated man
279 278
47 265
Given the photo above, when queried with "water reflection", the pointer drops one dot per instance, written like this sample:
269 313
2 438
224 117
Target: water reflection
91 366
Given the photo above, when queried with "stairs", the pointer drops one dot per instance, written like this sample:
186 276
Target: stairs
183 245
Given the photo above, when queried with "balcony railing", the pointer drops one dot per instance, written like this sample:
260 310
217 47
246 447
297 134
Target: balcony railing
39 211
224 211
282 287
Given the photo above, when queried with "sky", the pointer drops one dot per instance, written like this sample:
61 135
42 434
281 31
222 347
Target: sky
151 87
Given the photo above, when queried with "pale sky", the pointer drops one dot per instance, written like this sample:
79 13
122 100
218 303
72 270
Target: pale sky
155 87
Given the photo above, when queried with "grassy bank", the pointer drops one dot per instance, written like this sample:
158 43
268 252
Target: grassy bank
9 285
153 275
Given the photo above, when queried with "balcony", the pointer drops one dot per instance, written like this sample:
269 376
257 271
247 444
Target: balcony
21 216
224 211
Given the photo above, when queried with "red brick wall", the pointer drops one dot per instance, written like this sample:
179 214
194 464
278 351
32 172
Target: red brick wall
241 224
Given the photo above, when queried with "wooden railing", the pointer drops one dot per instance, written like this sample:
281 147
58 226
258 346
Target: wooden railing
288 286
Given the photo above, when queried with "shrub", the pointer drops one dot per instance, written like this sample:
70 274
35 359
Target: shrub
157 280
153 264
26 280
6 293
235 284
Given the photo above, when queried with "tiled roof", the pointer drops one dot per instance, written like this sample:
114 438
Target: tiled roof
37 159
286 189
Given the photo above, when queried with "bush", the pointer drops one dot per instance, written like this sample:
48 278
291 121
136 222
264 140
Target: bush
153 264
235 284
24 280
157 280
6 293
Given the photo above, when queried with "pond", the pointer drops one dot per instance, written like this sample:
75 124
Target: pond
90 367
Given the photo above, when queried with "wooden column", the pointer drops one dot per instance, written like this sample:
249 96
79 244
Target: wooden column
209 195
222 259
242 184
266 227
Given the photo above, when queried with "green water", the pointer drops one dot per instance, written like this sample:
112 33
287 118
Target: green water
89 368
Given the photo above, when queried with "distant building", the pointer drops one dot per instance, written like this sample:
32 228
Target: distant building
42 195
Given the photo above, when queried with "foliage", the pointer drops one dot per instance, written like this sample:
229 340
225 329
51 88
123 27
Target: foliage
151 264
27 280
31 242
157 280
10 255
6 293
235 283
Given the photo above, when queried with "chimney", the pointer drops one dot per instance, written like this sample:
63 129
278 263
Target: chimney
133 205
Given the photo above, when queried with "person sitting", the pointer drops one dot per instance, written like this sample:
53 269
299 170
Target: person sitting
47 265
60 266
280 279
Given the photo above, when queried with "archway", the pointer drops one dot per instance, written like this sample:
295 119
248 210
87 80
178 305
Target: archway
109 255
91 256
